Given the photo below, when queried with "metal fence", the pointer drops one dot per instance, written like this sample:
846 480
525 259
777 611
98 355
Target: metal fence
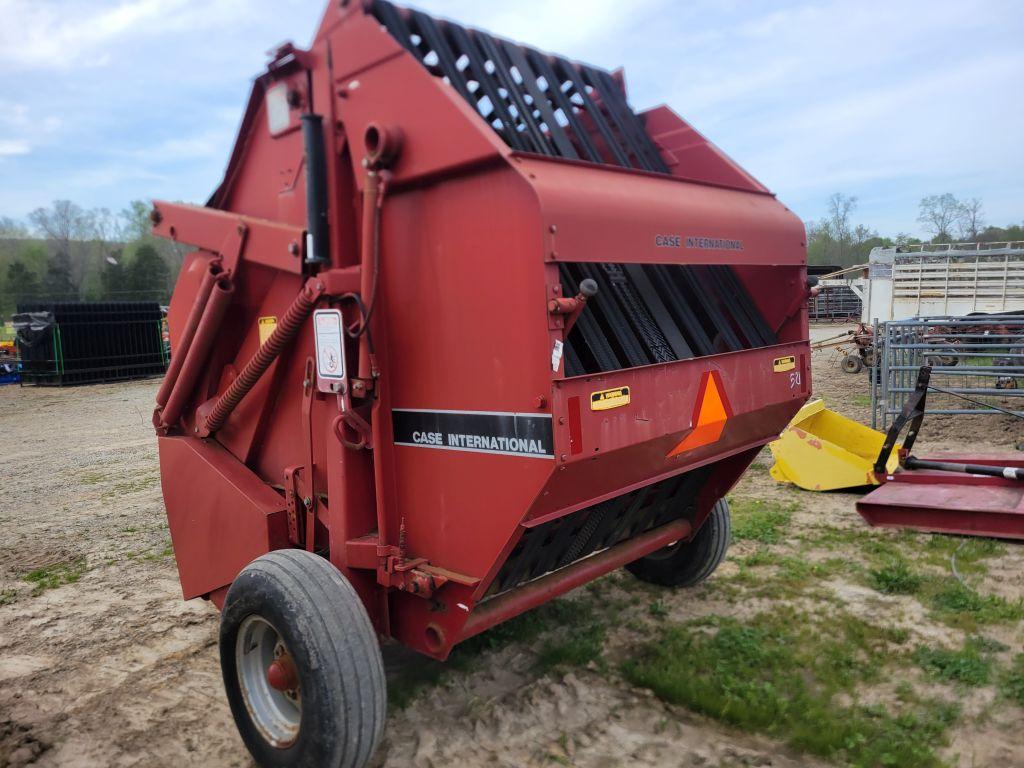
977 365
834 304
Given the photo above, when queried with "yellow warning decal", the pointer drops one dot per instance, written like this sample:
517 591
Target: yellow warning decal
783 364
267 325
609 398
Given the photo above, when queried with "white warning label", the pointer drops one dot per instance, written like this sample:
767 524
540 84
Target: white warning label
330 347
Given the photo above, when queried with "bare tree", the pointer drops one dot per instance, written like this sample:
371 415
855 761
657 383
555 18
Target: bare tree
971 220
938 214
12 228
840 207
67 225
63 222
135 220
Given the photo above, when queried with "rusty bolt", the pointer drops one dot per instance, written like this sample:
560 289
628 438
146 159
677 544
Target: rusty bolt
293 248
561 419
155 216
542 402
553 229
241 229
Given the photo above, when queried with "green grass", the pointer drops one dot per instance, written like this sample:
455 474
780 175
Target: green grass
7 596
1012 684
784 676
575 648
961 606
896 578
56 575
760 520
136 485
658 609
863 401
569 633
759 557
970 665
970 552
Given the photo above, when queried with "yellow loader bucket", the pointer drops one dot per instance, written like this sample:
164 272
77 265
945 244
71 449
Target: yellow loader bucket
823 451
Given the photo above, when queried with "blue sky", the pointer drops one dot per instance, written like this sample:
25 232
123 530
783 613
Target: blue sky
102 101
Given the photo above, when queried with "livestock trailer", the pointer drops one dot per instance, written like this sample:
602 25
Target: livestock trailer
461 331
952 280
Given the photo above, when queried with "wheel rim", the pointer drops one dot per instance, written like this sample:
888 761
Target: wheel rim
269 681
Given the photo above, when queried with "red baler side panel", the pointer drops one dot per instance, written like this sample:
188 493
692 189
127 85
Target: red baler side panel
218 532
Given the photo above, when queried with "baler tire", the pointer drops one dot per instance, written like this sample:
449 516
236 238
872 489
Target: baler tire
324 628
688 563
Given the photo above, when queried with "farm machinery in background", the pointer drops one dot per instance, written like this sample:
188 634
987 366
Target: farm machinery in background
969 494
461 331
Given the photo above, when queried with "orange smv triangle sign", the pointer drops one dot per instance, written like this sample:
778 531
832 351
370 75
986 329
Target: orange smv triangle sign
710 413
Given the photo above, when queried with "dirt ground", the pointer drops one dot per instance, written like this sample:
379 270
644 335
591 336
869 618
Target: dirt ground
103 664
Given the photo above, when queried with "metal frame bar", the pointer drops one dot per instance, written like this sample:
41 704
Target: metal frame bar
903 346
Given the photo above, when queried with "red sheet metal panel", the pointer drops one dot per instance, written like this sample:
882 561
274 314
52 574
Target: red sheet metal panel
947 502
233 520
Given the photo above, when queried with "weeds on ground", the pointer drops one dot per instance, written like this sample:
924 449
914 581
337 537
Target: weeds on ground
570 632
896 578
961 606
56 575
970 553
760 520
783 675
1012 684
8 596
135 485
971 665
658 609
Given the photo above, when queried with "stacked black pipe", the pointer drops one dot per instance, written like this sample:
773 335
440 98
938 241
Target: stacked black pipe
64 343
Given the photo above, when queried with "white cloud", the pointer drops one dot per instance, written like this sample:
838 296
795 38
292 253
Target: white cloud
9 147
46 34
114 99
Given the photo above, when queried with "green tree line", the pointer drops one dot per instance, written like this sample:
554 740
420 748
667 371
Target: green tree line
68 253
835 239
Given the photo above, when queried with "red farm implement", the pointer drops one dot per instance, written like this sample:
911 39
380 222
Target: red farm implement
971 495
461 331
